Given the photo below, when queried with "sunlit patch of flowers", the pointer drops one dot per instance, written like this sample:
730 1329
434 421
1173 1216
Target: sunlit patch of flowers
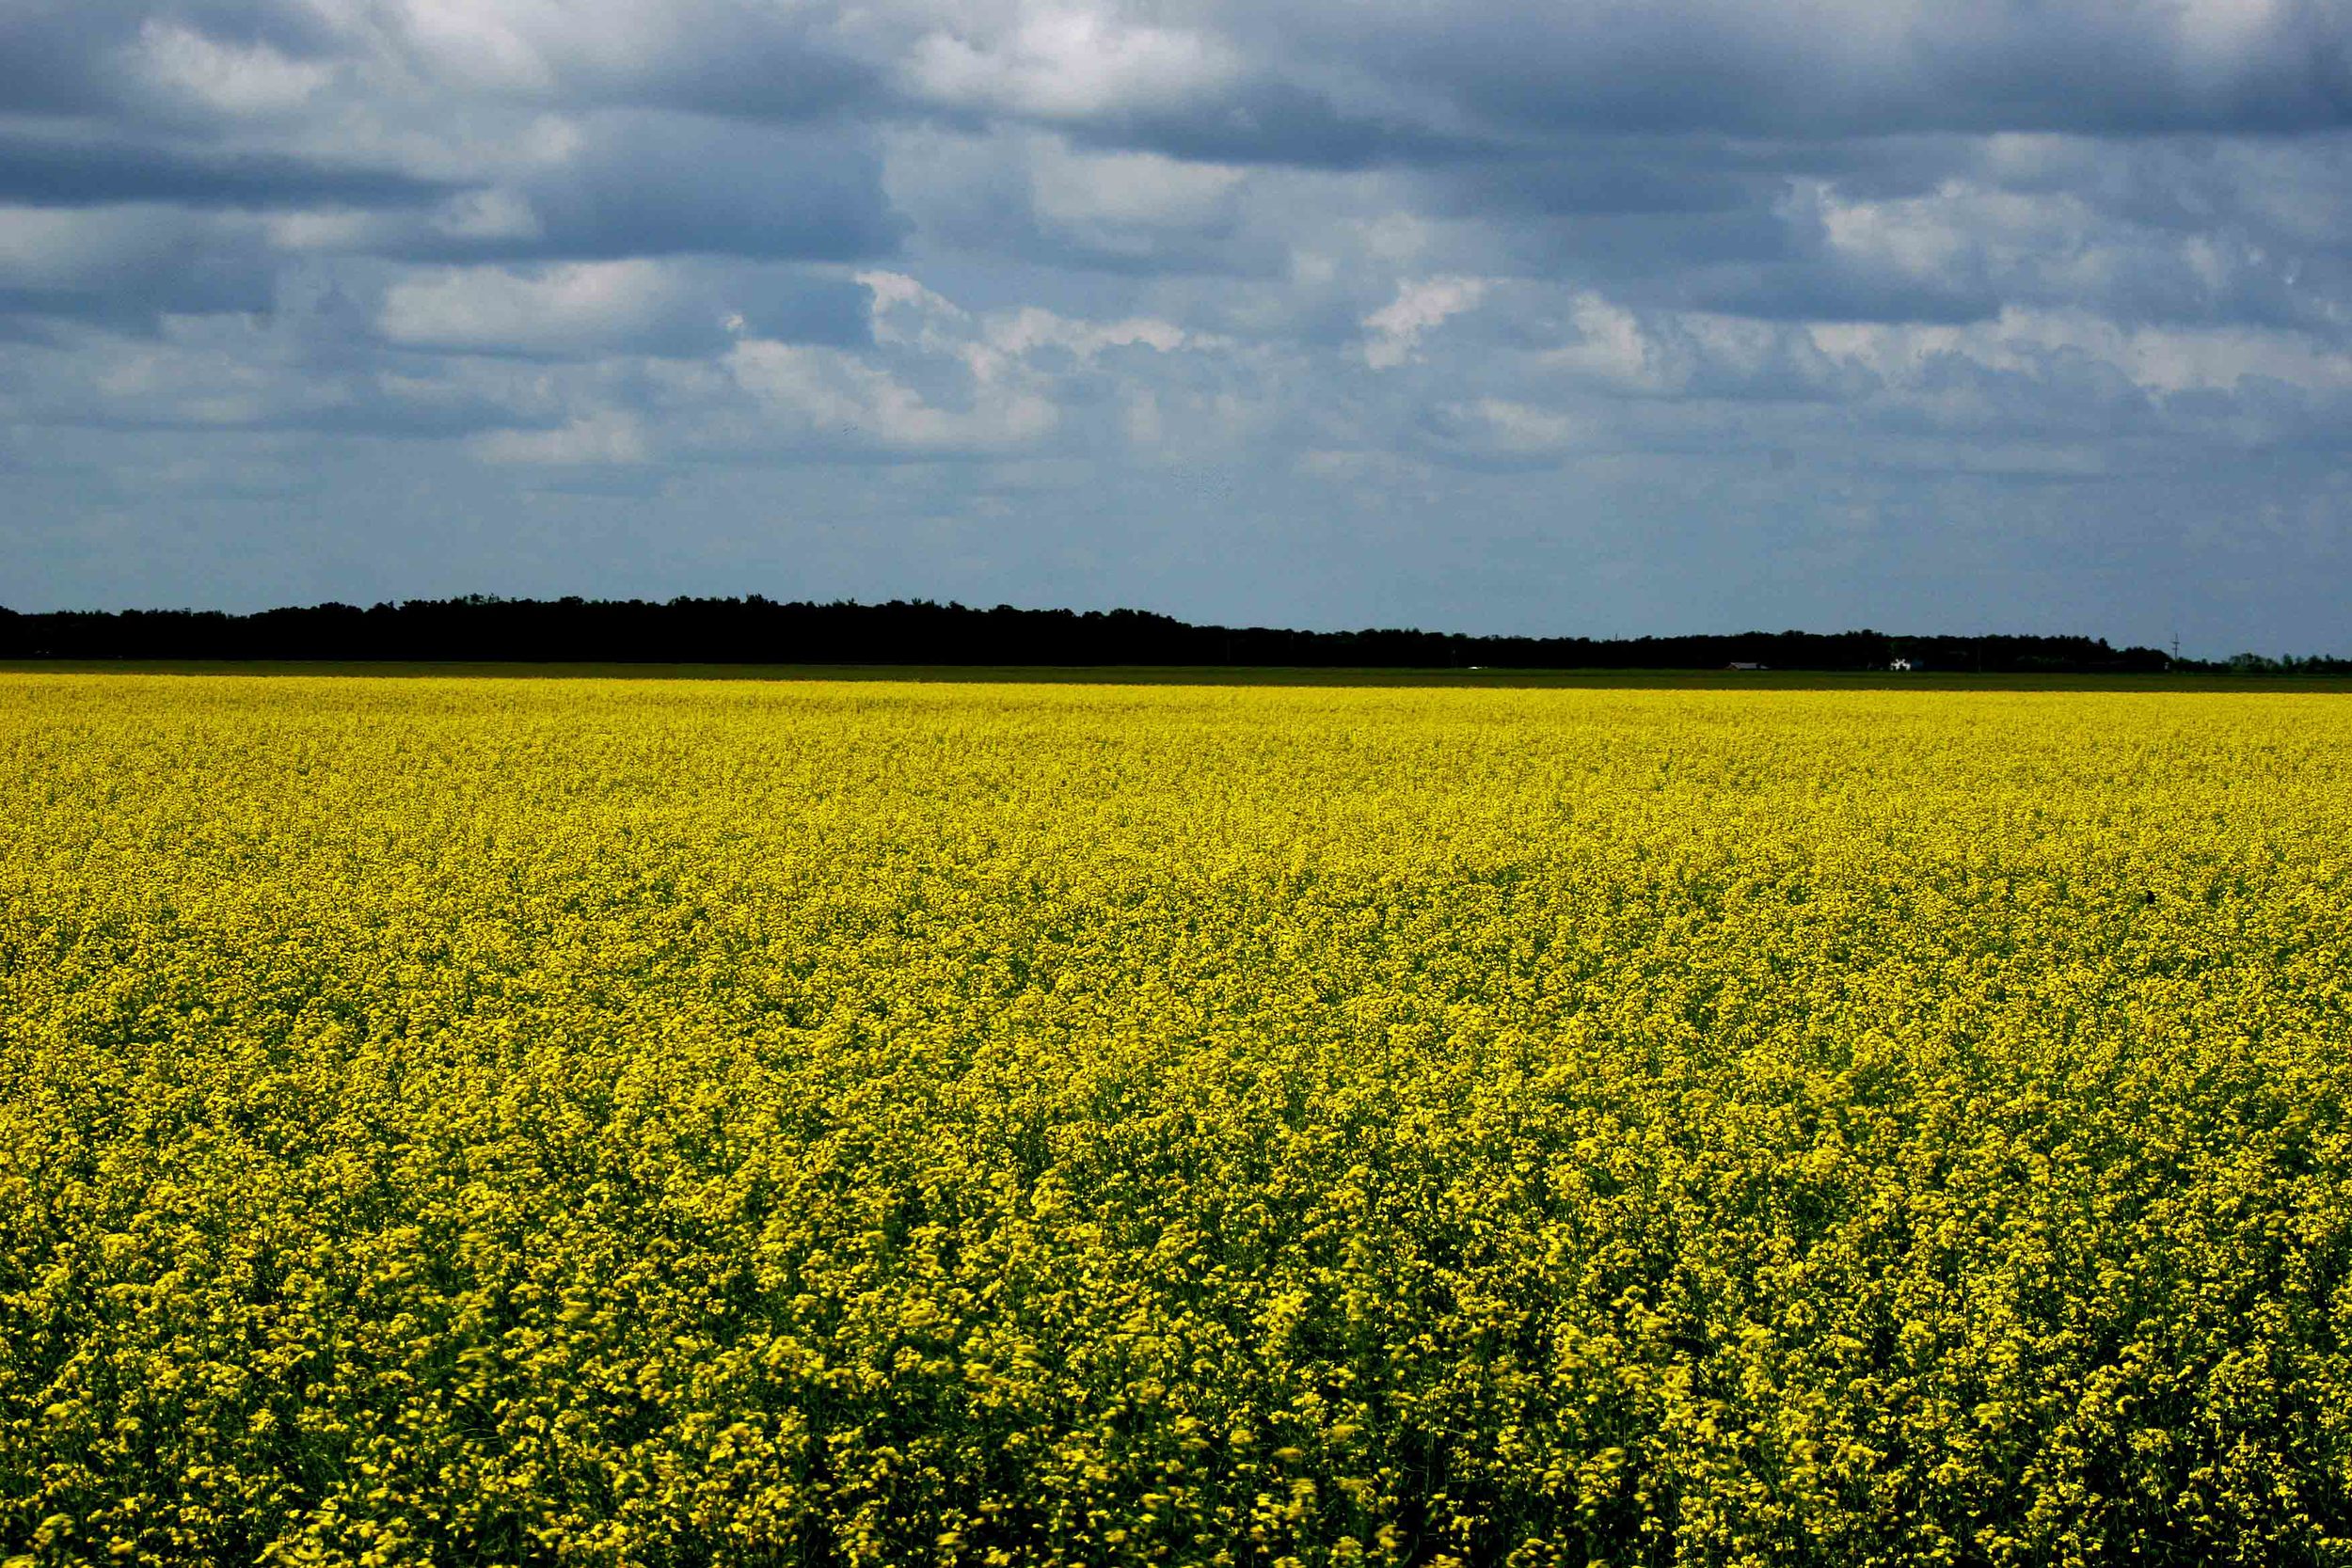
489 1121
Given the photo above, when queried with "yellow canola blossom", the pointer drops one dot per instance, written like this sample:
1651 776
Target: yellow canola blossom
488 1121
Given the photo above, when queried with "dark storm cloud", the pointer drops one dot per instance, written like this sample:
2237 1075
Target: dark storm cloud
1611 179
2104 68
132 300
666 184
51 172
51 56
731 61
129 266
1282 122
1832 292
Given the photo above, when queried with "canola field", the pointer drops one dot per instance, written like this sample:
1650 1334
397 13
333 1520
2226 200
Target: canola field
508 1121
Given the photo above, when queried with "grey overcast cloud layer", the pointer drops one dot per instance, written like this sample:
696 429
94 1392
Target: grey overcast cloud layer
1592 318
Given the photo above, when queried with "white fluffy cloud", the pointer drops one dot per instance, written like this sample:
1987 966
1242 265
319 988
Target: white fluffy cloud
253 79
832 396
1395 329
1062 61
568 308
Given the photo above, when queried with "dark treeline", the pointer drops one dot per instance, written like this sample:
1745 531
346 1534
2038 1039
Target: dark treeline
756 630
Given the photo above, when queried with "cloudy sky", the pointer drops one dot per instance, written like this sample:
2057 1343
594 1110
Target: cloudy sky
1582 316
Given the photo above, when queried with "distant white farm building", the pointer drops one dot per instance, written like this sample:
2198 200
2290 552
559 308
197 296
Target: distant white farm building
1742 664
1901 664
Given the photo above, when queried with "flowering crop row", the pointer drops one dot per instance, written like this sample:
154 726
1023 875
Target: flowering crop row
585 1122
